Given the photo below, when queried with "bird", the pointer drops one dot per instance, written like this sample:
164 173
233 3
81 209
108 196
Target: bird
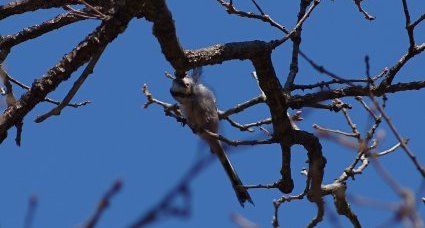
198 106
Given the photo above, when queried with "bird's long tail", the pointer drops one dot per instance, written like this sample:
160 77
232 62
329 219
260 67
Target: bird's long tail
240 191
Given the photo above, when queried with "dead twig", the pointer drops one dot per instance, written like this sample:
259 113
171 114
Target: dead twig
77 84
104 204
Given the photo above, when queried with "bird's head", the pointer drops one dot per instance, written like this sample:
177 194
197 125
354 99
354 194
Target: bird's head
182 88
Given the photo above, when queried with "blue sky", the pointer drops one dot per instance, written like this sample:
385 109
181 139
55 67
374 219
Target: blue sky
69 161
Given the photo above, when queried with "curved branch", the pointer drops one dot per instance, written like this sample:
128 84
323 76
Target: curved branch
316 160
165 31
182 60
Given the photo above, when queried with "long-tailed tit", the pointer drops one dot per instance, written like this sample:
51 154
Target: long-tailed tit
198 107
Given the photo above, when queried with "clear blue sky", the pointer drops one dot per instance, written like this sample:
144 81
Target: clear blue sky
71 160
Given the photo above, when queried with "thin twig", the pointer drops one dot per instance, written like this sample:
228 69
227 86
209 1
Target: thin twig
165 206
77 84
238 142
365 106
100 14
419 20
258 123
265 186
323 70
169 109
373 203
411 155
317 127
240 107
23 86
79 13
296 42
104 204
238 125
34 31
10 101
393 71
297 26
32 207
326 84
277 203
392 149
387 177
18 137
230 8
169 76
258 7
366 14
242 222
408 27
248 127
319 214
299 101
349 121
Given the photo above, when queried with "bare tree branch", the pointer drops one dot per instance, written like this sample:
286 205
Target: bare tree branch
403 144
104 204
241 107
32 207
230 8
392 72
103 35
299 101
115 16
408 27
77 84
23 6
366 14
32 32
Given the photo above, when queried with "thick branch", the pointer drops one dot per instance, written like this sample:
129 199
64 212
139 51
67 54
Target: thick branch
220 53
343 207
19 7
165 31
103 35
316 159
276 101
183 60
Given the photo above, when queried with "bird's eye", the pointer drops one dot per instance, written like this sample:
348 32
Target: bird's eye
186 84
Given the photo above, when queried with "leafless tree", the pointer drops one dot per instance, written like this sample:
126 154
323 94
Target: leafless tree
115 16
